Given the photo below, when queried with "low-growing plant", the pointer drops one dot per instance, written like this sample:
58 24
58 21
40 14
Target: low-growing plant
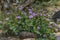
15 22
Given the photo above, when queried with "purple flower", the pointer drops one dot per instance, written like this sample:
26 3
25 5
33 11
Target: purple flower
7 19
54 24
18 17
30 16
50 26
30 12
44 14
38 27
34 14
30 9
21 7
45 11
24 13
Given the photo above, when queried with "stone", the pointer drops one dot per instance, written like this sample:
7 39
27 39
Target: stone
30 39
57 35
25 35
56 16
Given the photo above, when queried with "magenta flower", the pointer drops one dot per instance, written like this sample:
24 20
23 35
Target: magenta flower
18 17
30 16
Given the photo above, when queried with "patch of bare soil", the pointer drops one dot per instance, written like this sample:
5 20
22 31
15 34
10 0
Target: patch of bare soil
22 36
9 38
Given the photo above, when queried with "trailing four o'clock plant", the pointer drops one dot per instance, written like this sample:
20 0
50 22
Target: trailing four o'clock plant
31 21
12 22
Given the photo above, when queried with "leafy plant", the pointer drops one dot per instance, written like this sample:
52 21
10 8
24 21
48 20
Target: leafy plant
15 22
